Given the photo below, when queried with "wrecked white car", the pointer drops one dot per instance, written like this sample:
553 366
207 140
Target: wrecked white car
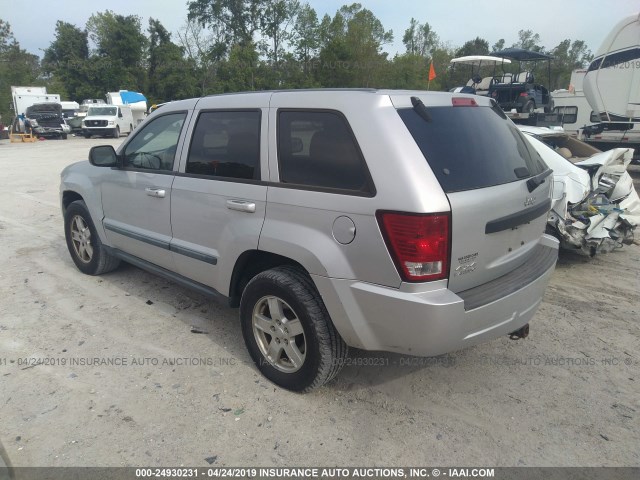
595 207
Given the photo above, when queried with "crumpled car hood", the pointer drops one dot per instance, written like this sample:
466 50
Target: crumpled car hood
595 206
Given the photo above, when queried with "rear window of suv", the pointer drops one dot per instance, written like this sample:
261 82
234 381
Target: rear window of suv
472 147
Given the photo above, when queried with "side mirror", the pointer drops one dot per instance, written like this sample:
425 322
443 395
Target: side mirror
103 156
119 114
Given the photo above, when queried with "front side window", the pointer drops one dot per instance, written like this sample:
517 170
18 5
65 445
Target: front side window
226 144
317 149
154 146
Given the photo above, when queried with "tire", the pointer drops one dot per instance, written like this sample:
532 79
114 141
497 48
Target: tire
116 132
63 136
317 352
529 107
87 135
83 242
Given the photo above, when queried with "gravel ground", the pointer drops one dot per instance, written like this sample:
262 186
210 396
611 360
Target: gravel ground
568 395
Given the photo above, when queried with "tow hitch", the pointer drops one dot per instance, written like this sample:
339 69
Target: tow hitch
520 333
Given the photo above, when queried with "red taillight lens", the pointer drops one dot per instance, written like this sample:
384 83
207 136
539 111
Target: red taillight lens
524 94
463 102
418 243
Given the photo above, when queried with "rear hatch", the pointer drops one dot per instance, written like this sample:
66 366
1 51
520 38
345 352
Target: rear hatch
498 186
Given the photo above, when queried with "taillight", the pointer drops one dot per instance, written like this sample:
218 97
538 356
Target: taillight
463 102
418 243
524 94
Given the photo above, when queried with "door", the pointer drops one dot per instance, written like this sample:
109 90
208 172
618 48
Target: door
218 199
136 198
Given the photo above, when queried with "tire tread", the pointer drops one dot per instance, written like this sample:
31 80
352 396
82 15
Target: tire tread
332 347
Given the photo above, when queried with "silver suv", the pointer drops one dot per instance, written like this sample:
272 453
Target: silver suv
408 222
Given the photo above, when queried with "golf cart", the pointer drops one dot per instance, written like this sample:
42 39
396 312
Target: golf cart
520 92
477 83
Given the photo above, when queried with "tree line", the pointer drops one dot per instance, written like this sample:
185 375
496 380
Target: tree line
238 45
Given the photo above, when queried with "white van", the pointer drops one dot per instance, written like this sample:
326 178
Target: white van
107 121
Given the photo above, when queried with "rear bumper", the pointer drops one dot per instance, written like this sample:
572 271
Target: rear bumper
435 322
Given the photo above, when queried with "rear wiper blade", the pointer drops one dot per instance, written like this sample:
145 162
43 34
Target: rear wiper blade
535 182
420 108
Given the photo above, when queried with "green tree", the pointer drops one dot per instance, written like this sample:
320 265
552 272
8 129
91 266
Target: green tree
499 45
276 21
120 40
66 60
205 49
239 72
305 37
352 55
17 67
568 56
477 46
528 41
168 70
408 71
238 20
420 39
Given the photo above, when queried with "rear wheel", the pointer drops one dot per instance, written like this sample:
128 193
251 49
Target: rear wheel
83 242
288 332
529 107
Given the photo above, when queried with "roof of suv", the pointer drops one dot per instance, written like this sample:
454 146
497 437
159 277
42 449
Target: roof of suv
399 98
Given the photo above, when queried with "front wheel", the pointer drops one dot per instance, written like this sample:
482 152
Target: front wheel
288 332
116 132
83 242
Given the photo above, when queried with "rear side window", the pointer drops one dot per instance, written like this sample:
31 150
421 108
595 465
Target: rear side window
226 144
567 114
318 149
472 147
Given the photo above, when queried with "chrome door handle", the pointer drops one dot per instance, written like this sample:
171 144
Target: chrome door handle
155 192
241 206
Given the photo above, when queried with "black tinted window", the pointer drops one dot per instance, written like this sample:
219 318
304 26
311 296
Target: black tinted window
318 149
472 147
154 146
226 144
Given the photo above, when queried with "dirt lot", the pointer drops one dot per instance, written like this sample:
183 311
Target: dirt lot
567 395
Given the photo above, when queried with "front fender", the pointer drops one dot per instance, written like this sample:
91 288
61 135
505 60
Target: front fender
81 178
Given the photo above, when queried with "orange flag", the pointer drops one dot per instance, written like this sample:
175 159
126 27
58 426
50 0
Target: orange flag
432 72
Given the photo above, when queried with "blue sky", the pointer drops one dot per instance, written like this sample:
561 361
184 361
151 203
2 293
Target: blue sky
455 21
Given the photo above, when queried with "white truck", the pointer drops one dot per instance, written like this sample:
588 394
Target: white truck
24 97
136 101
38 111
107 121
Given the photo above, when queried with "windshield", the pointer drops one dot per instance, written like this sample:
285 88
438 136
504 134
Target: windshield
106 111
472 147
